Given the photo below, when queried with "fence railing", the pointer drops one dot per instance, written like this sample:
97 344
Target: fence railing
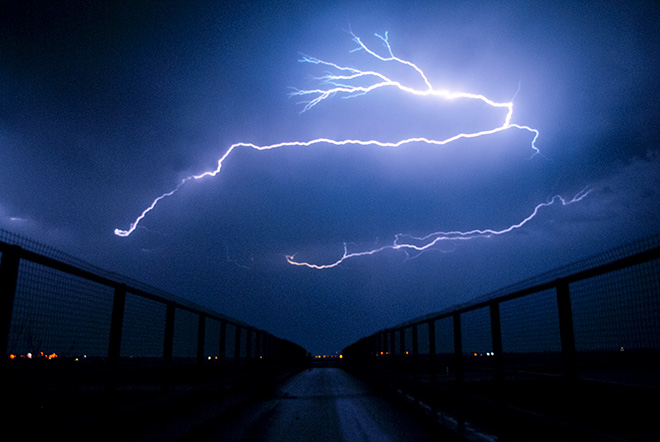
59 312
596 319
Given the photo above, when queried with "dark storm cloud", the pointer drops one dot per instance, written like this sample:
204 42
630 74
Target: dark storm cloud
106 105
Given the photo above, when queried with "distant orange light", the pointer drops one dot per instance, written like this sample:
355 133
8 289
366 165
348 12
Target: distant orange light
341 356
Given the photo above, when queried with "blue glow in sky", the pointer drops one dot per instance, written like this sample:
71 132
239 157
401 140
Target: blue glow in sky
110 104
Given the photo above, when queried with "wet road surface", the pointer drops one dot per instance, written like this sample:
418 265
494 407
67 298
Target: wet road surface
322 404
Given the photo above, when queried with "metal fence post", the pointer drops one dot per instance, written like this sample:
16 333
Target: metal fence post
116 324
201 335
415 351
266 346
402 342
222 344
168 344
263 346
566 332
432 349
458 348
237 344
415 342
8 280
276 349
116 327
257 343
496 337
248 344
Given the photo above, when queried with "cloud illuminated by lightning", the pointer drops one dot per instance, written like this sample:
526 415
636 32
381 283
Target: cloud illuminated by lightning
348 82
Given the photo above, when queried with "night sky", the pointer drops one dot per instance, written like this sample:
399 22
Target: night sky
106 105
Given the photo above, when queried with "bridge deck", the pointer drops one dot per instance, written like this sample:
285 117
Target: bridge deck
326 403
321 404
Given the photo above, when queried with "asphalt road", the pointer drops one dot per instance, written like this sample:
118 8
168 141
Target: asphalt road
322 404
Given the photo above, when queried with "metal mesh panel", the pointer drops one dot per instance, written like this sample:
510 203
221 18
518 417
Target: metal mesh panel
64 314
58 313
254 345
212 339
248 338
620 252
475 329
144 327
408 333
619 310
185 334
42 249
230 341
530 324
261 348
444 336
243 344
385 343
597 319
423 339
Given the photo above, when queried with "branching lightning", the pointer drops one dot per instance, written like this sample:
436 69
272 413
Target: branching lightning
414 246
344 83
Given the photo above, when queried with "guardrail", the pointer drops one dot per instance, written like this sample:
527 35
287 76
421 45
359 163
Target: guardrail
569 355
599 319
63 322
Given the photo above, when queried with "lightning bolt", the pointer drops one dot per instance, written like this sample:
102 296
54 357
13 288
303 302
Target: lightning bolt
418 245
349 82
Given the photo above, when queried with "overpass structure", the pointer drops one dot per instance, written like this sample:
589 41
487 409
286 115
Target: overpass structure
570 355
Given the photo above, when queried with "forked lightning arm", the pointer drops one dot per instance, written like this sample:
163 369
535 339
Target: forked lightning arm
433 239
343 83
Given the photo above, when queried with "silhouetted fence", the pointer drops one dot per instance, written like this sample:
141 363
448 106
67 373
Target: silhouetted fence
597 319
62 320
